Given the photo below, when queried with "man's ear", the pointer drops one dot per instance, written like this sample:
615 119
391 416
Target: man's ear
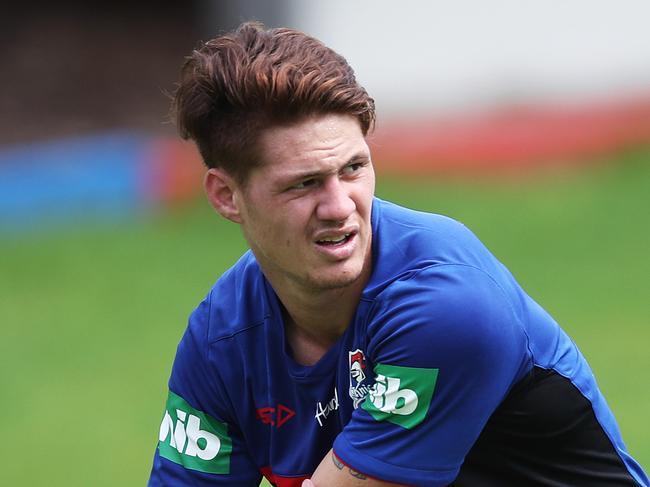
222 192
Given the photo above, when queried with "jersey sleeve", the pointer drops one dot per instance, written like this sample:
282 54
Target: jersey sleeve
445 346
199 443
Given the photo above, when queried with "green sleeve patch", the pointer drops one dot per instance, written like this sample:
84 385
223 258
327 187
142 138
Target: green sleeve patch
401 395
193 439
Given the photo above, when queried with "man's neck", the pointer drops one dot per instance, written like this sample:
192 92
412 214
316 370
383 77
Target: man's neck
315 319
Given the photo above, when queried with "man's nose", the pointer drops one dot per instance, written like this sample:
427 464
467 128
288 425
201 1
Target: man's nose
335 202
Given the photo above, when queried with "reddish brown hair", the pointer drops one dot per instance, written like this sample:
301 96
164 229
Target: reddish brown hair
235 85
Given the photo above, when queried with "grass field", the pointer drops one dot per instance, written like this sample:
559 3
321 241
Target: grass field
91 316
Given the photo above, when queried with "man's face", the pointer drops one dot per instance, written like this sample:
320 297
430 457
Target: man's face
305 211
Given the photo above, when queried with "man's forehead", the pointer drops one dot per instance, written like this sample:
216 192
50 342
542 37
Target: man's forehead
314 142
312 131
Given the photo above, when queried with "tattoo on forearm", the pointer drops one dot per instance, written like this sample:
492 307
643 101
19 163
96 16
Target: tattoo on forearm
340 465
356 474
337 463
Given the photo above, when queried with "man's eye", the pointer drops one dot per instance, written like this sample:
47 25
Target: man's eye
304 184
352 168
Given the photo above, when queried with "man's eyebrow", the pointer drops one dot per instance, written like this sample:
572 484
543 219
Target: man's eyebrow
356 159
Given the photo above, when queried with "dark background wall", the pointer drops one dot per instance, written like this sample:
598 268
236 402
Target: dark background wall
71 68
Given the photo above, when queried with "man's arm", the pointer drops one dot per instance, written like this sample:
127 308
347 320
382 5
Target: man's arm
199 443
333 472
445 346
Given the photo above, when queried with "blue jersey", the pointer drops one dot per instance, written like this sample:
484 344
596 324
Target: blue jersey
448 374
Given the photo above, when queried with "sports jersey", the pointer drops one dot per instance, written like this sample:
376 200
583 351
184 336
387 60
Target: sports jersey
448 374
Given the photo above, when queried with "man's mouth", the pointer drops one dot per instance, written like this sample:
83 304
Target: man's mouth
334 240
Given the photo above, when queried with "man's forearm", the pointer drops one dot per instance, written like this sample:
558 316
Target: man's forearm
333 472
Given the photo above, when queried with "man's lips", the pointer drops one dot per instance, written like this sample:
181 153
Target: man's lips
338 245
332 239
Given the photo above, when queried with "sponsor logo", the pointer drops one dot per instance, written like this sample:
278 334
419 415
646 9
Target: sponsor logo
401 395
276 416
357 364
193 439
323 411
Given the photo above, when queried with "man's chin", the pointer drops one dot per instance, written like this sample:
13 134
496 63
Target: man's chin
339 280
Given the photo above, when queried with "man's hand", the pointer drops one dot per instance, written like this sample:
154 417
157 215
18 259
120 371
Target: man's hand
332 472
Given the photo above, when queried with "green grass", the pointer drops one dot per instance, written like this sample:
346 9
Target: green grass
91 316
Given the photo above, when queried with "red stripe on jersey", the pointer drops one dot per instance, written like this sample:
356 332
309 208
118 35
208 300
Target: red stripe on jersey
279 481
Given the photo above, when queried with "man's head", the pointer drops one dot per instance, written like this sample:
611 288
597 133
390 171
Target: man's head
281 124
238 84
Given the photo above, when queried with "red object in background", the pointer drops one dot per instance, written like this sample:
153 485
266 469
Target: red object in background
172 171
510 140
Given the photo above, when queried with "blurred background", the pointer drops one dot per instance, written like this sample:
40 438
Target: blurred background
528 121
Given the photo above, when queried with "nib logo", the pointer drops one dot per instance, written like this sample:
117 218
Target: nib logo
401 395
186 438
386 394
193 439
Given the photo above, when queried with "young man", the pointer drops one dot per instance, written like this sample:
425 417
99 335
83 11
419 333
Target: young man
357 342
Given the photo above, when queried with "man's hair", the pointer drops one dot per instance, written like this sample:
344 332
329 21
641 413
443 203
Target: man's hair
237 84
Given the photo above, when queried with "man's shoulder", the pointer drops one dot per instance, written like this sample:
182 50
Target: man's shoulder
236 302
222 341
407 241
405 216
422 235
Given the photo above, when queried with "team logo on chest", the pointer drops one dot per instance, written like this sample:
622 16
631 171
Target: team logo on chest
358 390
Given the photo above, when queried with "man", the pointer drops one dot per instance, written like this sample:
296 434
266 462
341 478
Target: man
357 342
